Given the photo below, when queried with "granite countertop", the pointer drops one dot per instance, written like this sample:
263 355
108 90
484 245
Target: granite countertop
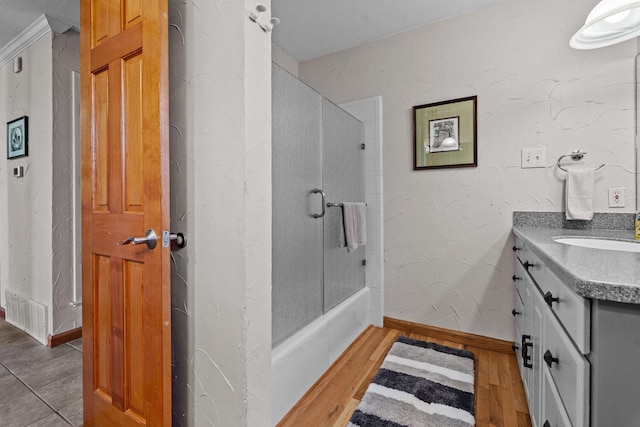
591 273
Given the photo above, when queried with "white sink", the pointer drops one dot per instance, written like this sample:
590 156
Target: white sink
600 243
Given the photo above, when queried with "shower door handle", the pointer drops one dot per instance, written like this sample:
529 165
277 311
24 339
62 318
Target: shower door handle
324 204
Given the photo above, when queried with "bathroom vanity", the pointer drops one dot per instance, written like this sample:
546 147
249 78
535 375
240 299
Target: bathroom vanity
577 315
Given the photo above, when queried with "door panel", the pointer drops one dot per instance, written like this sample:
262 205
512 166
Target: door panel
126 292
134 166
102 307
343 180
297 236
99 113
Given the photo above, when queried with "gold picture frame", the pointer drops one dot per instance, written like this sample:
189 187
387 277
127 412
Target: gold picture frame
445 134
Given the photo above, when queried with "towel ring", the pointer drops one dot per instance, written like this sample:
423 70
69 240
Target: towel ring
575 156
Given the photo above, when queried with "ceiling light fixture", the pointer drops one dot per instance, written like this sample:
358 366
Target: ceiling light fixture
610 22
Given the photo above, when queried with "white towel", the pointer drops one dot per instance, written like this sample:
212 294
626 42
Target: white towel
579 194
353 230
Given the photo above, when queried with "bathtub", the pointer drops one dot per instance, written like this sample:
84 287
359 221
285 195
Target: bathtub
300 361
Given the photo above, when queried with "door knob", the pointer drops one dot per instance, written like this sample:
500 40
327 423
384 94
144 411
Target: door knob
150 238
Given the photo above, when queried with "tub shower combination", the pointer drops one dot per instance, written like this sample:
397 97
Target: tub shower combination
319 299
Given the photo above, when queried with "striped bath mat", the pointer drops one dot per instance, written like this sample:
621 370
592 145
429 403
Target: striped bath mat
419 384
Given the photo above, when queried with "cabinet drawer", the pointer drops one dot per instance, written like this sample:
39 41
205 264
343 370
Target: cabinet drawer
534 266
519 314
553 412
518 249
569 370
573 311
518 276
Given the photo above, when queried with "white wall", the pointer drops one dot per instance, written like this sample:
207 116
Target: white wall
25 203
67 314
221 197
36 212
448 259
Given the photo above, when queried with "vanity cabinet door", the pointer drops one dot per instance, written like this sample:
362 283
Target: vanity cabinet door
572 310
569 370
553 412
520 311
534 266
537 339
532 344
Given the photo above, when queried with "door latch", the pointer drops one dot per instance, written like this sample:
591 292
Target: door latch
178 238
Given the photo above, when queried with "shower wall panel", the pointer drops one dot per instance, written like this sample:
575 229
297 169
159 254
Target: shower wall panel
343 181
297 292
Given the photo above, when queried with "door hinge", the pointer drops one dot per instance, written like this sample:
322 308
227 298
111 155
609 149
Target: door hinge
362 146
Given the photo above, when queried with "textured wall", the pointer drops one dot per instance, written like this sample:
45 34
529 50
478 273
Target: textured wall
25 203
448 260
280 57
221 196
66 63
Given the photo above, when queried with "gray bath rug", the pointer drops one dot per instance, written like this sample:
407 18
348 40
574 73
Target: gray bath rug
420 384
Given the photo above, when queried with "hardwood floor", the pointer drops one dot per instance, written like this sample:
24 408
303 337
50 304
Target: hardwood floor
500 398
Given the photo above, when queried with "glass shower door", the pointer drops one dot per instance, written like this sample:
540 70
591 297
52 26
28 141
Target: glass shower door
343 178
297 293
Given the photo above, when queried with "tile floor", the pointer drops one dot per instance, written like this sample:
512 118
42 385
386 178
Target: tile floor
39 386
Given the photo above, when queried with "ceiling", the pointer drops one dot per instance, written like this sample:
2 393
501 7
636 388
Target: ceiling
308 28
17 15
312 28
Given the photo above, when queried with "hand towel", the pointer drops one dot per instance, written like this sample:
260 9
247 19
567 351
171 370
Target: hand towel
353 232
579 194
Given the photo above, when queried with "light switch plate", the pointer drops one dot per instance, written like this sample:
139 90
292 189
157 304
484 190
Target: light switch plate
533 157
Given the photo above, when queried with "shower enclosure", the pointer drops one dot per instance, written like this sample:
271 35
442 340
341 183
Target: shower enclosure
318 161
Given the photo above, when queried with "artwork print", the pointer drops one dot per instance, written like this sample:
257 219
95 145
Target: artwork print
17 138
444 134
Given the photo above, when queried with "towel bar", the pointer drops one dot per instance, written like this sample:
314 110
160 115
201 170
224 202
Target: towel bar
575 156
337 205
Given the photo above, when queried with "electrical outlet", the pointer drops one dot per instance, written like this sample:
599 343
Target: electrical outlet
616 197
533 157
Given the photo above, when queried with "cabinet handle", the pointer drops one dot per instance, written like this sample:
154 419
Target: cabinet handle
550 299
546 424
528 265
515 313
526 358
549 359
515 278
516 249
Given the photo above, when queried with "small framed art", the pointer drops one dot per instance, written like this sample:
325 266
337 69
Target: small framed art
18 138
445 134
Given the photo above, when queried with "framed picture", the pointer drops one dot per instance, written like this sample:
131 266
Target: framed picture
445 134
18 138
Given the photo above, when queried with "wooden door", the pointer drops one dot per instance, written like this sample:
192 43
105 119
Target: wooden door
125 191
